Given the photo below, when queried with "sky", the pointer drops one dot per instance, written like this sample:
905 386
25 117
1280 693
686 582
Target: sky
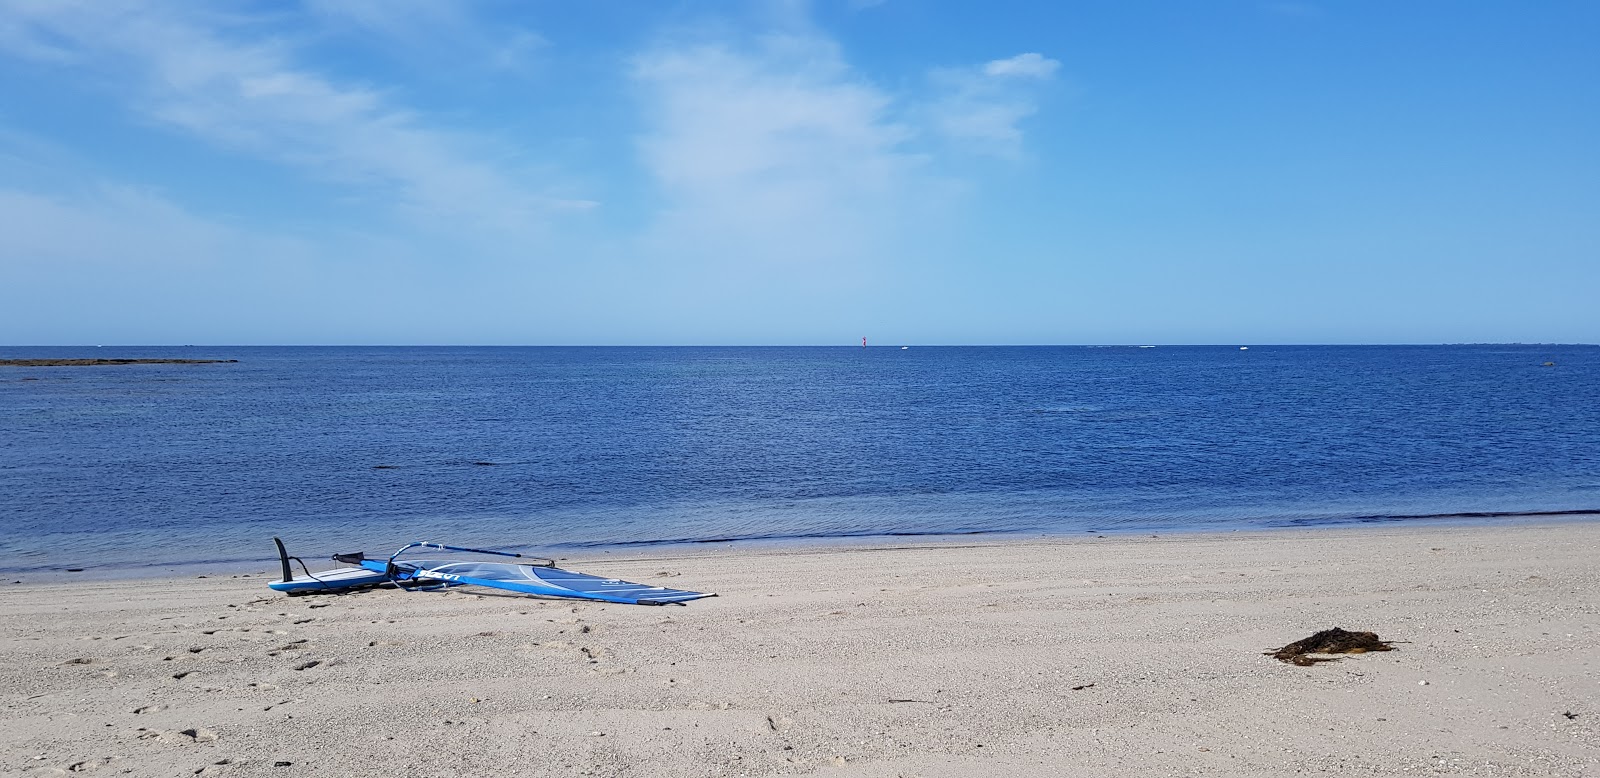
782 172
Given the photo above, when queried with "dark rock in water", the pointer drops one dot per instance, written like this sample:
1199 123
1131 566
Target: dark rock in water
95 362
1329 641
384 467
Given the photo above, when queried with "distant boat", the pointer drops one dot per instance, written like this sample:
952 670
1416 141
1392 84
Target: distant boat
903 348
1244 348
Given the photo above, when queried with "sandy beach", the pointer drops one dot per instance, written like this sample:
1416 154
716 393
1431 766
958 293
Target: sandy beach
1122 655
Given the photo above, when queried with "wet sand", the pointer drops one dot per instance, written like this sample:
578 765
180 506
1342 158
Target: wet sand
1124 655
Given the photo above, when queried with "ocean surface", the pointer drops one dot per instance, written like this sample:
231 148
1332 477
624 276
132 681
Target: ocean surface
577 450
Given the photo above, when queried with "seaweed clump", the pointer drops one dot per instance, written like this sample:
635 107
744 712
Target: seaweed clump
1329 641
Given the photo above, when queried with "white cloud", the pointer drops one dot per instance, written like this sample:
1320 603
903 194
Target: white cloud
226 82
790 111
983 107
773 153
779 181
794 187
1030 65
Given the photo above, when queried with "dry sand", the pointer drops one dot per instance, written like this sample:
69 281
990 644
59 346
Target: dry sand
1127 655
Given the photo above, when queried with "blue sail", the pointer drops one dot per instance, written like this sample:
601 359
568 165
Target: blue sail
531 579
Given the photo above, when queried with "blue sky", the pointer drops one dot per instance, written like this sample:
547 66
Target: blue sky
1128 171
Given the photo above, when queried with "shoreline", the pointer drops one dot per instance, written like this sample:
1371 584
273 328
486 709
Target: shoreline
1066 656
319 558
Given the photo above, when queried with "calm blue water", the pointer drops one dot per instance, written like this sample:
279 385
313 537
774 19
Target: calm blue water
113 468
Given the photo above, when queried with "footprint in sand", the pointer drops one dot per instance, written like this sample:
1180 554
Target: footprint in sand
264 687
82 660
150 709
199 735
215 768
192 735
778 723
293 645
90 765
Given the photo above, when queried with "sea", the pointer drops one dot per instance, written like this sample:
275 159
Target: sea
131 470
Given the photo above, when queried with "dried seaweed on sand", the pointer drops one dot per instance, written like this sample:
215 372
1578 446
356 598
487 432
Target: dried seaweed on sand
1329 641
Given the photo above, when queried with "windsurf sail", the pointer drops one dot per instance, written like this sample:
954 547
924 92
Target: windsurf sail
530 579
542 578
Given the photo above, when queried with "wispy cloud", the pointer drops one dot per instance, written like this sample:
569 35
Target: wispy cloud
224 80
433 31
789 178
767 171
982 107
771 150
1030 65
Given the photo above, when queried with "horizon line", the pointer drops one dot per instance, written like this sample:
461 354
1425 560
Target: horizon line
891 345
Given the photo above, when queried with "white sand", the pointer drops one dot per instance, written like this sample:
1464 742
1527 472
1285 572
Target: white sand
1083 656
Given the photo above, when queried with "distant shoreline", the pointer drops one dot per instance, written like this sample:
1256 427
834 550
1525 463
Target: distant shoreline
95 362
